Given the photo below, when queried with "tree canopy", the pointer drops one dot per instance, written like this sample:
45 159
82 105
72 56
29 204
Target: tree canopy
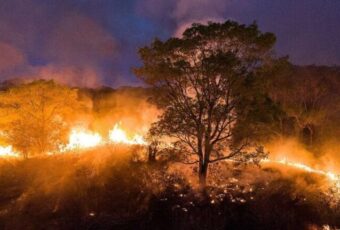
34 115
203 77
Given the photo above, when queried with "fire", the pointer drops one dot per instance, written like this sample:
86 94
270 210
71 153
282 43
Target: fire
330 175
7 151
82 139
119 136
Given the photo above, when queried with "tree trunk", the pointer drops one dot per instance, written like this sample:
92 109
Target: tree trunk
311 136
308 135
202 174
152 154
25 155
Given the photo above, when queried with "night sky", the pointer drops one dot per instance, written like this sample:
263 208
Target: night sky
95 42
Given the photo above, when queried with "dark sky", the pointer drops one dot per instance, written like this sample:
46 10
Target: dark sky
94 42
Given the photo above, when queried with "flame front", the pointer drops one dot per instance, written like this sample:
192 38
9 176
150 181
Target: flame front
119 136
7 151
330 175
82 139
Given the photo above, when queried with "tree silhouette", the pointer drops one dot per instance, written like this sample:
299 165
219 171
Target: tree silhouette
202 79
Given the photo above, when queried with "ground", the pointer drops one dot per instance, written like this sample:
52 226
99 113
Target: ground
108 188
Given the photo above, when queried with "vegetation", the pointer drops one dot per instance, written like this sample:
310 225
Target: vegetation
220 95
309 96
34 115
203 78
111 191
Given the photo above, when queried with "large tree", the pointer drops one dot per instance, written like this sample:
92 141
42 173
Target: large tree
34 116
202 78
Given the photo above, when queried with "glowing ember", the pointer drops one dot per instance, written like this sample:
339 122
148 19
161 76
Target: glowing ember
81 139
119 136
8 152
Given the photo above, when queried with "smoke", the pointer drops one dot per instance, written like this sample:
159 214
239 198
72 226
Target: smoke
305 38
331 155
66 75
183 26
79 40
54 41
290 149
102 36
326 157
182 13
128 107
10 57
184 10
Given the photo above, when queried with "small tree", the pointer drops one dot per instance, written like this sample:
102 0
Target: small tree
34 116
201 78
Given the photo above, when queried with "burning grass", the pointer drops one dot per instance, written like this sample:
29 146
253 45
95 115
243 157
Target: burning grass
107 188
98 177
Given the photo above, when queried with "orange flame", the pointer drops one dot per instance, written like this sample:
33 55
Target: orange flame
119 136
7 151
82 139
330 175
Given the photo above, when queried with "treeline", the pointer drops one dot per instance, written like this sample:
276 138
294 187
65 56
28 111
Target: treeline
36 116
298 102
309 99
302 102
